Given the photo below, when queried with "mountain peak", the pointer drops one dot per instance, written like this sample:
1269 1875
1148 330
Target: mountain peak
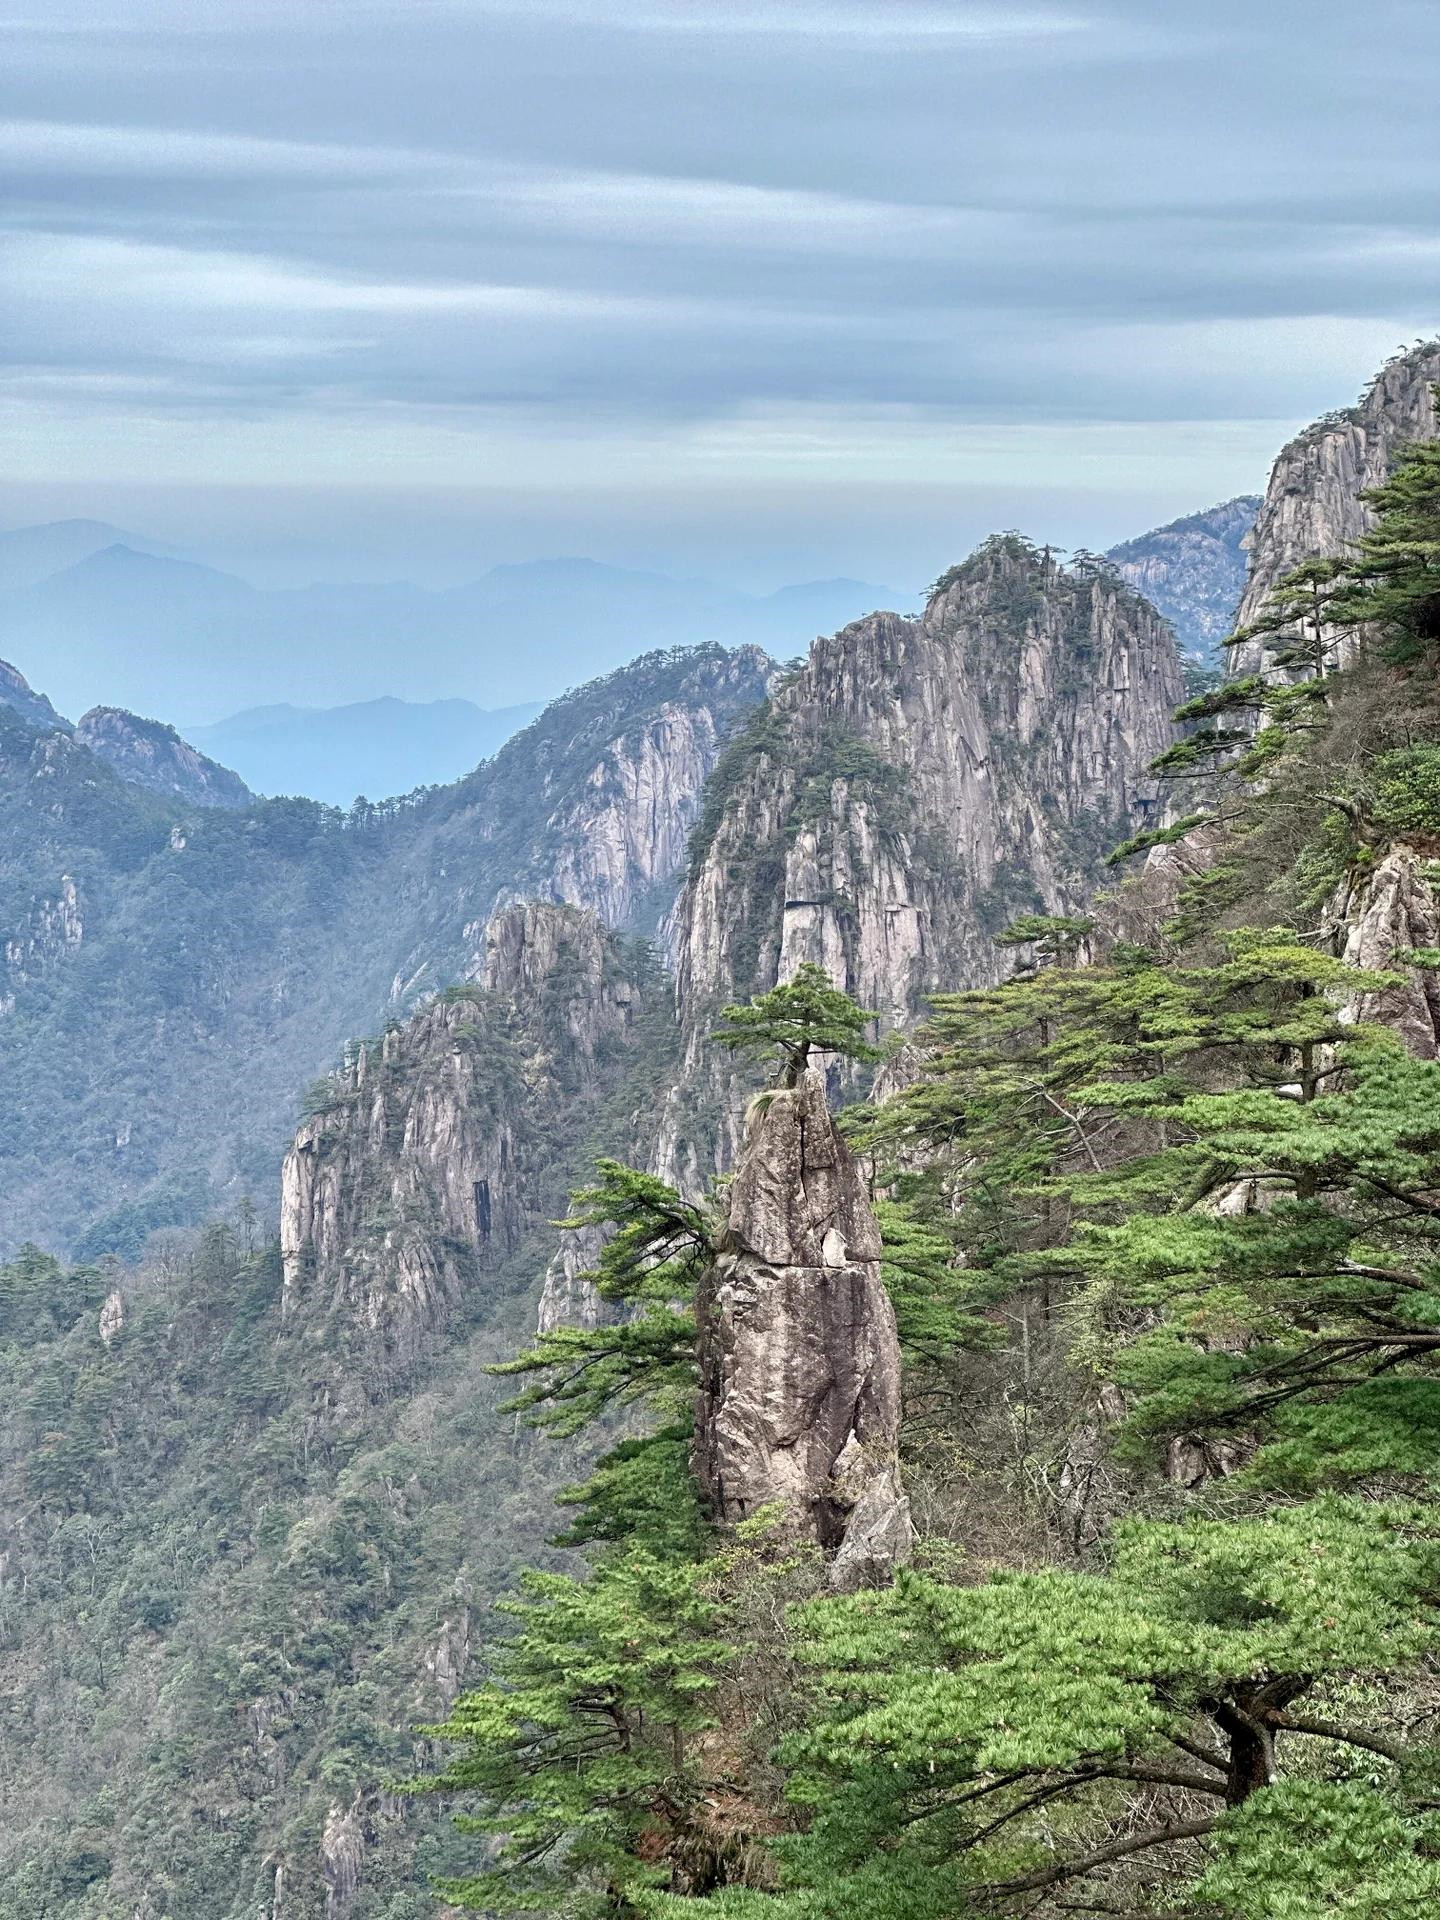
148 753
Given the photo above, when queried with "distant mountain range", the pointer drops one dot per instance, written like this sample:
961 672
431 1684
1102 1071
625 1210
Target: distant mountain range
1193 570
95 611
119 619
375 747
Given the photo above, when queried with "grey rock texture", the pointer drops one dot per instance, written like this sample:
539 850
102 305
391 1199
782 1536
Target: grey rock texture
799 1359
271 944
1194 571
1376 915
624 840
1313 506
150 754
610 805
342 1854
912 789
568 1299
56 926
418 1173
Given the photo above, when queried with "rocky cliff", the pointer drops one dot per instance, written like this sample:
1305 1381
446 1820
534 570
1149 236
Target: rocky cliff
594 804
908 792
1194 571
17 694
799 1359
1313 505
1378 917
427 1157
147 753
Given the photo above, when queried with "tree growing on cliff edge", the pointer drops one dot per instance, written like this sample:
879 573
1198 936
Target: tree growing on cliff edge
807 1015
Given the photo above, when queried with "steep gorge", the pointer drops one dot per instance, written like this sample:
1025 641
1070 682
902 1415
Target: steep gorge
209 960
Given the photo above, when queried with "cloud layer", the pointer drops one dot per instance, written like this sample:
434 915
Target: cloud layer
700 243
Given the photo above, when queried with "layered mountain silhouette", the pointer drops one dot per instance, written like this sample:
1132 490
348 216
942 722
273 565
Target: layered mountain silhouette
160 634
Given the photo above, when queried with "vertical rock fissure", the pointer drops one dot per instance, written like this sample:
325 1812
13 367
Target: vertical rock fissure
799 1357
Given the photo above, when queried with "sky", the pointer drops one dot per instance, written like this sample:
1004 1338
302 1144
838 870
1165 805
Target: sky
762 290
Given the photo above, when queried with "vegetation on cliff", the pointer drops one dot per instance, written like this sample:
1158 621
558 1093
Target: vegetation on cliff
1171 1642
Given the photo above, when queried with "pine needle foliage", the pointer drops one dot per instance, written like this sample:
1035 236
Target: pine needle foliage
806 1015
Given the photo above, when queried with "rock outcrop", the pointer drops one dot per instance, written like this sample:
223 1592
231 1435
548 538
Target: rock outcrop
147 753
593 805
1377 916
622 842
33 708
270 937
1313 506
799 1359
1194 571
425 1161
913 788
568 1298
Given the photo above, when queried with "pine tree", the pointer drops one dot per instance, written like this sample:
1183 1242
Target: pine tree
807 1015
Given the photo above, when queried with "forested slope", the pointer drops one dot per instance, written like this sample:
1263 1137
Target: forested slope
173 975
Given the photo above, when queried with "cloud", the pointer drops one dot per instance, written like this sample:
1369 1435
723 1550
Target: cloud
897 20
636 239
51 146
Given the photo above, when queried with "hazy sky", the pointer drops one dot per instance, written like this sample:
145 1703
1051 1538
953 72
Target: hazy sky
760 288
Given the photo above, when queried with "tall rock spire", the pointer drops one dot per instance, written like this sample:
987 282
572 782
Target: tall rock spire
799 1358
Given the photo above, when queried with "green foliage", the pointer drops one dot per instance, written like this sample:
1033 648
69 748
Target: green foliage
937 1302
807 1015
224 957
1407 791
1393 583
577 1751
969 1747
1056 937
655 1247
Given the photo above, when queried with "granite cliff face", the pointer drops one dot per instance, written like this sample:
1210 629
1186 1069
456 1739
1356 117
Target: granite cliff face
621 841
591 806
426 1161
147 753
1194 571
1312 506
915 786
1378 915
270 934
799 1358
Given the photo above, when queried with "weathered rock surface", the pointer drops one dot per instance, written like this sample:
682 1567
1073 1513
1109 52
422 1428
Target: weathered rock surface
623 841
610 798
918 784
1375 917
420 1170
1313 506
1194 571
568 1299
799 1358
55 927
268 941
150 754
342 1853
